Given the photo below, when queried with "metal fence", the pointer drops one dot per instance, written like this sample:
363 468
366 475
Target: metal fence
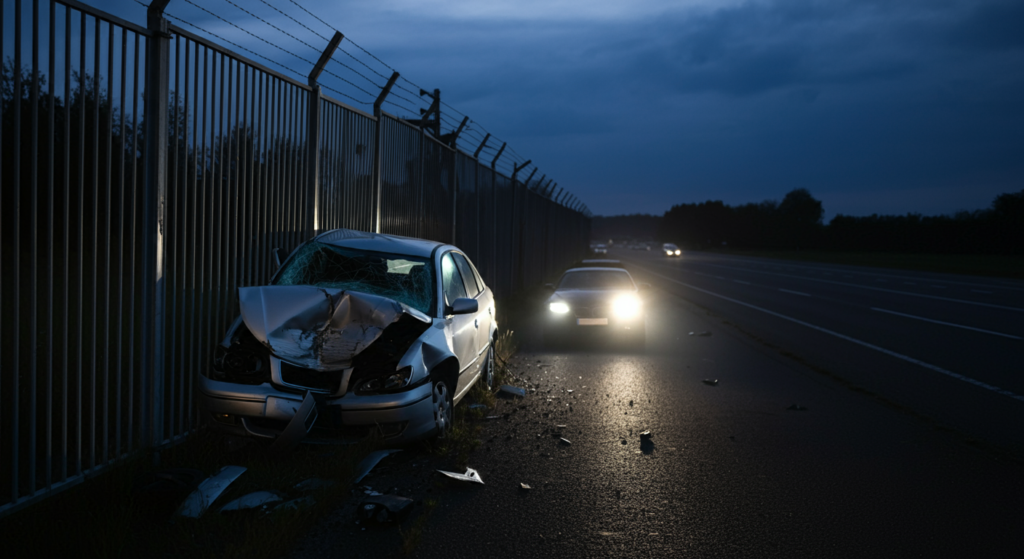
147 174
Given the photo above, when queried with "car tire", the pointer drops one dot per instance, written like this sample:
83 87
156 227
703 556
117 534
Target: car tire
490 368
444 404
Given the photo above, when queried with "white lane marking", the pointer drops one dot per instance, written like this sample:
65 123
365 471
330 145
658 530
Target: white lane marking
948 324
1016 285
743 282
1014 309
981 291
928 366
793 292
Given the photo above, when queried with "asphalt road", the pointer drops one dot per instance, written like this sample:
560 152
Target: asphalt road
872 464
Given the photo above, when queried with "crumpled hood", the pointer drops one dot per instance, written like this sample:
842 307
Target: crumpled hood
318 328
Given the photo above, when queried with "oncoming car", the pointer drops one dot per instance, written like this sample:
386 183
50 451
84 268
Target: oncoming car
671 250
356 333
593 301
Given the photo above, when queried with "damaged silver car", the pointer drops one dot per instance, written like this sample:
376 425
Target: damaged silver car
359 333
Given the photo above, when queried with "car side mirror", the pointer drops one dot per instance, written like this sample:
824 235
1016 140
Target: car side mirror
465 305
549 286
644 286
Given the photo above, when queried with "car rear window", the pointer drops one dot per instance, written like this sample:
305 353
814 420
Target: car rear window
406 279
596 279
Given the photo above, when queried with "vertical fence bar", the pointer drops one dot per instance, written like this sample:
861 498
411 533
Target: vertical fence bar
154 201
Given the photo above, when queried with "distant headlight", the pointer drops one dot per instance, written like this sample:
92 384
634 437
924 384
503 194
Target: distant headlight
668 252
558 308
677 253
627 306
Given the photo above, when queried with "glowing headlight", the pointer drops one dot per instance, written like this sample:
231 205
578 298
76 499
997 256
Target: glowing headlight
677 253
559 308
626 306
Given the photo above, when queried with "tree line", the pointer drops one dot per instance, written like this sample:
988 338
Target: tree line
797 223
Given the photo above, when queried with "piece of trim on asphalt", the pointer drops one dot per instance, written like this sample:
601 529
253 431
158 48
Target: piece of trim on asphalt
948 323
370 461
890 353
471 475
199 500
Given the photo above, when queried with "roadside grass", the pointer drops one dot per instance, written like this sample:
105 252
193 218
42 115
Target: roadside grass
992 265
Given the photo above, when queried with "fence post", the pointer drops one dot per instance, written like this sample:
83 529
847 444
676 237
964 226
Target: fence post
378 186
154 198
516 254
494 210
313 203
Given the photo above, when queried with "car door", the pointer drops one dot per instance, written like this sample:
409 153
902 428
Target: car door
463 327
485 300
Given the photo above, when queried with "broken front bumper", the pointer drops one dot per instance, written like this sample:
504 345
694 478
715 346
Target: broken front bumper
264 411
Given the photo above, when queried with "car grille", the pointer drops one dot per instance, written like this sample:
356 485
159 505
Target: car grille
322 381
600 311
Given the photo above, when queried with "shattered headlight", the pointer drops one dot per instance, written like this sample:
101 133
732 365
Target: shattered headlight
389 383
243 361
558 307
626 306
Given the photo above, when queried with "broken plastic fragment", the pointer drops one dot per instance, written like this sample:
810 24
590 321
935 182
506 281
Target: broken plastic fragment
797 407
645 435
565 441
370 461
515 391
560 426
710 382
298 427
493 417
384 508
705 333
295 504
470 475
524 486
258 499
199 500
314 484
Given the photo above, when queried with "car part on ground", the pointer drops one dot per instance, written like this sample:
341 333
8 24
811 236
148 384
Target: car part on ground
199 500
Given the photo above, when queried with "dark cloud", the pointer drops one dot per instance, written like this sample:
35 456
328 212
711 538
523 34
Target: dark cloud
996 25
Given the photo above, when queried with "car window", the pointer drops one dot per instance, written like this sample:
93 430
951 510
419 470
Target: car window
451 280
476 274
406 279
596 279
472 289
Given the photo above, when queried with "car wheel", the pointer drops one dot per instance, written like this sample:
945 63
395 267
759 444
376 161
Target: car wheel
489 367
443 404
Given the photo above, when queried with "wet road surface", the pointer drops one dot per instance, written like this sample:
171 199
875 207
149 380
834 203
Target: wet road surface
787 455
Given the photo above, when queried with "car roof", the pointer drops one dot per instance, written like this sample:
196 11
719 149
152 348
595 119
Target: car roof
379 242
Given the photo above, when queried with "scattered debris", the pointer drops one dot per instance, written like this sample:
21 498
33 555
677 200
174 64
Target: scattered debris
524 486
565 441
560 426
259 499
710 382
300 424
470 475
370 461
384 508
314 484
493 417
705 333
796 407
569 391
631 403
513 390
645 434
295 504
199 500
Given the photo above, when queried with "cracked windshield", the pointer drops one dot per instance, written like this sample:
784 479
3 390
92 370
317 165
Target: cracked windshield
405 279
